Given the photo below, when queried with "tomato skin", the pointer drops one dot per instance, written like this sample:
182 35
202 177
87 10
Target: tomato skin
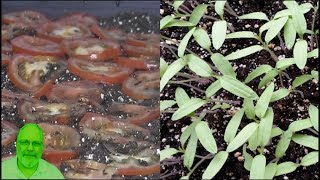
136 51
114 34
5 59
142 85
142 62
35 46
116 75
31 18
141 170
142 40
110 52
141 114
8 126
46 31
75 91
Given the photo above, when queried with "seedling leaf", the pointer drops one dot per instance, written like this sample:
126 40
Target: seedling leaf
237 87
300 53
181 96
187 108
247 158
202 38
163 66
197 13
199 66
242 136
241 34
258 72
168 152
283 144
306 140
165 20
213 88
258 167
218 33
172 70
255 15
300 125
310 159
215 165
279 94
166 104
219 7
275 29
184 42
243 52
190 150
270 171
301 79
268 77
265 128
248 108
289 34
263 101
205 137
286 168
223 65
233 125
313 114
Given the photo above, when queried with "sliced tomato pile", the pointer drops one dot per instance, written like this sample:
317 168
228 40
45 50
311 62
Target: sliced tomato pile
62 74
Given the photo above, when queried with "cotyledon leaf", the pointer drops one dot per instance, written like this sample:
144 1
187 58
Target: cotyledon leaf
223 65
164 21
284 63
268 77
279 94
237 87
301 80
310 159
265 128
264 100
243 52
176 4
213 88
184 42
283 144
215 165
187 108
300 53
289 33
255 15
313 114
218 33
190 150
205 137
286 168
198 13
258 167
233 125
219 7
247 158
270 171
275 29
181 96
199 66
187 132
172 70
258 72
248 108
166 153
166 104
300 125
306 140
241 34
163 66
242 136
202 38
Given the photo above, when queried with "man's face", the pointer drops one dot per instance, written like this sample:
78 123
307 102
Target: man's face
29 146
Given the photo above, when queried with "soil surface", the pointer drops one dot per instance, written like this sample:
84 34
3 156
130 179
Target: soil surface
293 107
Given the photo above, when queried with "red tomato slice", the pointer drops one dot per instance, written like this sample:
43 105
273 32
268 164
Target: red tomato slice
6 47
98 126
58 31
88 169
136 170
142 62
10 31
138 114
142 40
35 46
40 111
91 49
9 132
115 34
105 72
60 142
75 91
136 51
31 18
142 85
30 73
80 17
5 58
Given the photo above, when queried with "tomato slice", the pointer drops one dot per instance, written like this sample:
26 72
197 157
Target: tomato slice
98 126
91 49
142 40
60 142
35 46
9 132
135 170
142 85
87 169
6 47
30 73
142 62
105 72
112 34
10 31
75 91
40 111
80 17
136 51
31 18
138 114
5 58
58 31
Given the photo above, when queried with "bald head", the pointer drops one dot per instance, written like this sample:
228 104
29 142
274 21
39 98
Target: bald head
32 129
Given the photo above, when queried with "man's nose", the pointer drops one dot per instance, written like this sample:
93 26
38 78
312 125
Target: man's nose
30 147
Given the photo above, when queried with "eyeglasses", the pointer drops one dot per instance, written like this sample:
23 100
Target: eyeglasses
34 143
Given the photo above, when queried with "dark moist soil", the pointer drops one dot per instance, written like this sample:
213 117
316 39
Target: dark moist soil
286 110
90 149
